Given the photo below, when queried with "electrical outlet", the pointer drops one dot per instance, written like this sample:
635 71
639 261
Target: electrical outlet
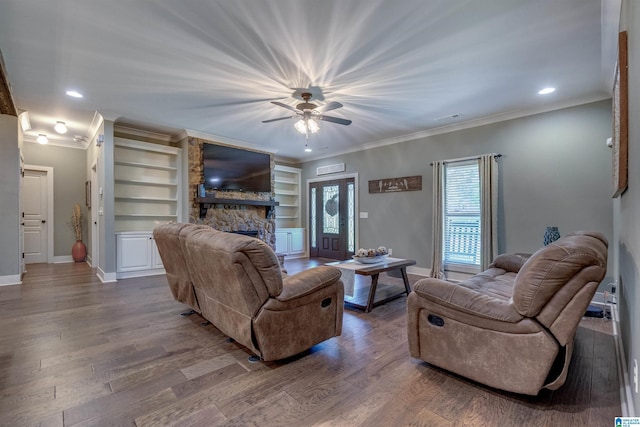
390 251
635 375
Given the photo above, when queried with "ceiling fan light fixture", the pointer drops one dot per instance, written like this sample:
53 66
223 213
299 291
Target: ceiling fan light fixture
546 90
306 126
301 126
42 139
313 126
307 149
60 127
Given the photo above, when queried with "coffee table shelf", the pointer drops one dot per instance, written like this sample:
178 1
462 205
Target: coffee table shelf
375 294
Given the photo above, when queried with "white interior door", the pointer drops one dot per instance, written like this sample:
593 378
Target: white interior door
35 216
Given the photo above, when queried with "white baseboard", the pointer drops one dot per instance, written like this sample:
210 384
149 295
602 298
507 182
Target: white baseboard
140 273
62 259
10 280
105 277
626 397
419 271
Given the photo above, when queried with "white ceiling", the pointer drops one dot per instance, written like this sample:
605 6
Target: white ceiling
400 67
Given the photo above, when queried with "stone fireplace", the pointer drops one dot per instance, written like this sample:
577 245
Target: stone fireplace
228 215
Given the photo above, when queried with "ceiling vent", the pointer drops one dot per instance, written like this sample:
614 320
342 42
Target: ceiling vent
324 170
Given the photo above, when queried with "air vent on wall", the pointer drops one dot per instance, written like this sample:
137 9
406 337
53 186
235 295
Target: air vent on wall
323 170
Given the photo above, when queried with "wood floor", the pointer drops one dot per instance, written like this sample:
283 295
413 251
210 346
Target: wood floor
74 351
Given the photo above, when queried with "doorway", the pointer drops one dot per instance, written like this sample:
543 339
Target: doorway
93 210
37 214
332 224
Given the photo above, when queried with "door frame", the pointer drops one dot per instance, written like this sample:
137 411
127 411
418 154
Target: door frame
355 208
50 212
94 225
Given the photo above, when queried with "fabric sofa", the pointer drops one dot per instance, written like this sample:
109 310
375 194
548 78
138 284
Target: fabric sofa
167 239
240 289
512 326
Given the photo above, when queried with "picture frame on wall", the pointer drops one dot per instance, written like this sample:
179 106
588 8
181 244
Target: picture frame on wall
87 193
620 143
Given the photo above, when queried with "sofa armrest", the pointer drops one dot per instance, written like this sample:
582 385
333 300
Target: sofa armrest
461 298
308 282
508 262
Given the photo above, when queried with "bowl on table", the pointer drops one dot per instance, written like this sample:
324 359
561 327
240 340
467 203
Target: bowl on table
370 259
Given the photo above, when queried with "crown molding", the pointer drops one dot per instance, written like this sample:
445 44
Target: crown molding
487 120
64 144
228 141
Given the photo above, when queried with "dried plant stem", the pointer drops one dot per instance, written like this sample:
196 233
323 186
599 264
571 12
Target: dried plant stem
76 221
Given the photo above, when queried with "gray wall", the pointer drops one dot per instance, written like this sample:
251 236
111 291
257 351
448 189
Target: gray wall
9 197
69 176
555 170
629 206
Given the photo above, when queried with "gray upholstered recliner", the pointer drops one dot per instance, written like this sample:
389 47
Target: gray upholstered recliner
241 290
512 326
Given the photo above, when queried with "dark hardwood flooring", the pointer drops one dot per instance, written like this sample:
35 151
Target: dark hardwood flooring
74 351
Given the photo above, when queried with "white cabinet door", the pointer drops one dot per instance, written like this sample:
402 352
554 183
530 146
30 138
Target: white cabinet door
282 242
134 252
156 261
290 241
296 241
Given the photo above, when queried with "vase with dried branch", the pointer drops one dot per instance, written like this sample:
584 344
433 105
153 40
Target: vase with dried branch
78 250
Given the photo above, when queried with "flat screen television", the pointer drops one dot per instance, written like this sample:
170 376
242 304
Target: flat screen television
229 168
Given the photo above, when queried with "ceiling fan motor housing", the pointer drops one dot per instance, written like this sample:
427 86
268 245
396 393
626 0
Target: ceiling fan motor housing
306 105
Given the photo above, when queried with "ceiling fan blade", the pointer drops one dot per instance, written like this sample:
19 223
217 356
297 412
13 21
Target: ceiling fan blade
328 107
335 120
280 118
288 107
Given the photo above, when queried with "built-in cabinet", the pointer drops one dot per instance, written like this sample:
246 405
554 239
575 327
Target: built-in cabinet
290 237
137 255
147 183
290 241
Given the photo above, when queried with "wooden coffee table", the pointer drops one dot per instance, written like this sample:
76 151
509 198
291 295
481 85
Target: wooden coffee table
367 297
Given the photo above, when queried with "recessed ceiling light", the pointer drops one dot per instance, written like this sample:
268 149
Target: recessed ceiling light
42 139
60 127
74 93
546 90
307 149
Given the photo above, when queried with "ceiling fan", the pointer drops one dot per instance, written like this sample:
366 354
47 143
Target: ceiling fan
308 113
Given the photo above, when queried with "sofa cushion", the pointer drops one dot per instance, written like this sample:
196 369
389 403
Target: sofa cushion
487 294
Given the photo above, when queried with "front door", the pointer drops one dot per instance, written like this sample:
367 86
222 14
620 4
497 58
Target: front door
35 216
331 218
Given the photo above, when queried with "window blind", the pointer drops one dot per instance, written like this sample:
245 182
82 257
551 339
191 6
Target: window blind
462 214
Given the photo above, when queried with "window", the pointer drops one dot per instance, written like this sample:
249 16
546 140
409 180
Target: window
461 240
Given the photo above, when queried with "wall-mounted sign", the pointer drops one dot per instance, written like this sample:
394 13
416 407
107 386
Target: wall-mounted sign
392 185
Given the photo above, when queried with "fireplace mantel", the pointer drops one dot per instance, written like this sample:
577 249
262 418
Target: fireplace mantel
206 202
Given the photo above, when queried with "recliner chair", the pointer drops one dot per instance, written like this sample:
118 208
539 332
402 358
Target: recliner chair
167 239
240 289
512 326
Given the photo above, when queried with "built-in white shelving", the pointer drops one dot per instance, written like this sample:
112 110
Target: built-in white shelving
287 193
147 179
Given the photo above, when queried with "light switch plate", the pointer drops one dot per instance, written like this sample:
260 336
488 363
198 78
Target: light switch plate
364 214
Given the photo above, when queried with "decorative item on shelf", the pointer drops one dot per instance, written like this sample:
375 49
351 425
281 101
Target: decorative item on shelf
551 234
78 250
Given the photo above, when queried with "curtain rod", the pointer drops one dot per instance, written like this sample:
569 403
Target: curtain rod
463 159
